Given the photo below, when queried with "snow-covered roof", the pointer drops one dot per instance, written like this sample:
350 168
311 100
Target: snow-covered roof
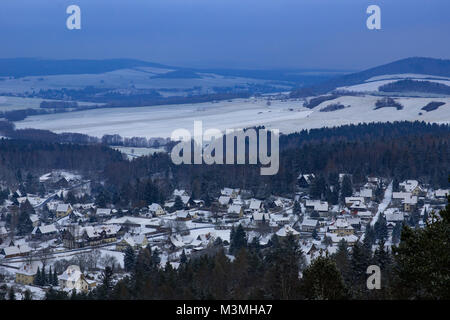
394 217
72 273
235 208
103 212
286 230
409 185
30 268
354 200
255 204
441 193
63 207
258 216
223 200
317 205
50 228
366 193
154 207
19 249
309 222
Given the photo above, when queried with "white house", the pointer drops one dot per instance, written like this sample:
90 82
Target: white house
73 278
155 209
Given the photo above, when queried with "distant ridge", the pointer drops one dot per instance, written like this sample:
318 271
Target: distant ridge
417 65
22 67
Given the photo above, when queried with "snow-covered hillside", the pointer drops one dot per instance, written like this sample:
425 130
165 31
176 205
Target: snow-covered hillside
374 83
286 115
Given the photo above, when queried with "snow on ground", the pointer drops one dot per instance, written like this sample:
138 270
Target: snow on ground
139 78
116 254
374 83
406 76
384 204
288 116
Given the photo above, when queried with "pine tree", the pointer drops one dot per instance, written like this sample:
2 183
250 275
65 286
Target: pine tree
11 294
360 260
50 276
129 259
183 258
178 205
24 224
342 259
27 295
238 241
38 277
43 277
396 232
422 260
55 279
381 230
323 281
297 210
347 188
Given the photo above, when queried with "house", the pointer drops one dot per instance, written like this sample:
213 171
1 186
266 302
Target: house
27 272
411 186
393 218
349 201
63 210
73 278
260 217
441 193
47 232
287 230
255 205
367 194
103 212
229 192
235 210
309 225
176 242
224 200
90 236
155 209
321 207
34 219
410 203
16 251
341 227
335 238
305 180
184 215
136 242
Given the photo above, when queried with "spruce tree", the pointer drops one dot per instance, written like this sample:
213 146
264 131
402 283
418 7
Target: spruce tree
422 260
11 294
323 281
183 258
178 205
38 277
129 259
347 188
238 241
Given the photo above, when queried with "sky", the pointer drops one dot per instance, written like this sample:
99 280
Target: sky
267 34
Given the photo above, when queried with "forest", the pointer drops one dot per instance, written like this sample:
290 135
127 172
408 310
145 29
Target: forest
402 150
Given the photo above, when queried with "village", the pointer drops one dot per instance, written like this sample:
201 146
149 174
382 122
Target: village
50 242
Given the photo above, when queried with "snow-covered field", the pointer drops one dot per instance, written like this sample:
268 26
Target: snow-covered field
139 78
374 83
288 116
